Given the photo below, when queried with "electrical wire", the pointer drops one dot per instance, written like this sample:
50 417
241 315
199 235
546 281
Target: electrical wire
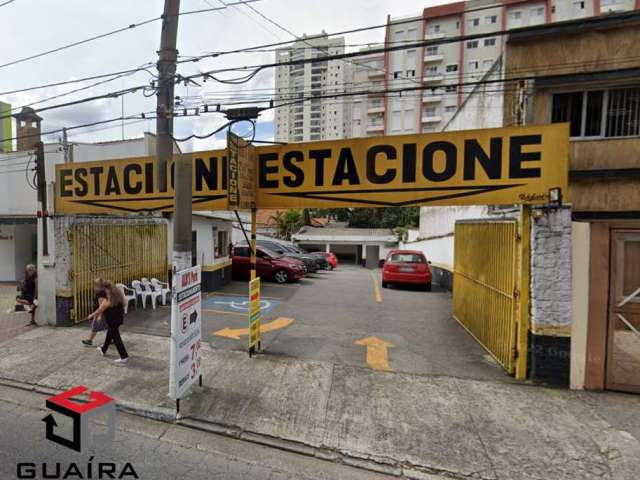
7 3
108 34
202 137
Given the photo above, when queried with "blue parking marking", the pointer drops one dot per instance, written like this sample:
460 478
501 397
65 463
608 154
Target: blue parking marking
236 304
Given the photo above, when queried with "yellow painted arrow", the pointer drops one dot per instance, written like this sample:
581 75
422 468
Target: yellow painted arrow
236 333
377 355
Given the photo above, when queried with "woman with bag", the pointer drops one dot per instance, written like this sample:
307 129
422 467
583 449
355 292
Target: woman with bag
113 313
98 324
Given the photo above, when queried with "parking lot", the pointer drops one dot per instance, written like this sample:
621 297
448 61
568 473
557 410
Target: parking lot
343 317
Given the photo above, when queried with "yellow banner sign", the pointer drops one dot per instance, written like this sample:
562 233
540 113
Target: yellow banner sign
255 317
515 165
129 185
492 166
242 173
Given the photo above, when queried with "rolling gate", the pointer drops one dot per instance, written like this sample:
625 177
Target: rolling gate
488 279
120 252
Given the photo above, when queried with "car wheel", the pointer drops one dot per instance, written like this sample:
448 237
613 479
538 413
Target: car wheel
330 267
385 285
281 276
427 287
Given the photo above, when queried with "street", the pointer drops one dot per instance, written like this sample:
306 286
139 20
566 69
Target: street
325 314
157 451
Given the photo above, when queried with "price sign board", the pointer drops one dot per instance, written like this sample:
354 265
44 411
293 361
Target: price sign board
255 316
241 189
186 331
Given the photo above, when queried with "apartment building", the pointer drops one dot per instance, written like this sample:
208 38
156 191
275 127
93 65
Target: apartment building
367 110
448 69
321 118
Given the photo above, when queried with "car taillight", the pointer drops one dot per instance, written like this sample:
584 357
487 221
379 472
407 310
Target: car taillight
421 268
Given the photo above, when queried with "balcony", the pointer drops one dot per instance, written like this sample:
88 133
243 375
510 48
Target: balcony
431 118
438 57
434 36
432 77
375 73
377 107
431 98
375 127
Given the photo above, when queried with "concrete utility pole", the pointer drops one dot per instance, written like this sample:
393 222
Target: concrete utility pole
181 255
167 56
41 179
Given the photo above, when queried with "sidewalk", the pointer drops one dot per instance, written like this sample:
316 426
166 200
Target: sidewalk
396 423
11 323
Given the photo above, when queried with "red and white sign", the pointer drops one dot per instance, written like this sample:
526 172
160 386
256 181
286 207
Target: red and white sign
186 331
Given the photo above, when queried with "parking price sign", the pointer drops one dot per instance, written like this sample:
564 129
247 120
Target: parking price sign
186 332
255 317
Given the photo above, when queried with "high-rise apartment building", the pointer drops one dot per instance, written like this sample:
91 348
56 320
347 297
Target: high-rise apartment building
316 116
444 68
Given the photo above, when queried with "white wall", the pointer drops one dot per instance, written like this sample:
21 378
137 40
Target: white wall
580 260
7 253
205 242
24 247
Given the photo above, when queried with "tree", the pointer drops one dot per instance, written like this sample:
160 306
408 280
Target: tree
288 222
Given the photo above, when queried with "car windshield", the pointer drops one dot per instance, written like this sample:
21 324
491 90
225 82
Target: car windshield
406 258
267 252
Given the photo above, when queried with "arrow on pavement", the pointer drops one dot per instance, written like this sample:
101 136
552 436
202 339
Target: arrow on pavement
377 355
236 333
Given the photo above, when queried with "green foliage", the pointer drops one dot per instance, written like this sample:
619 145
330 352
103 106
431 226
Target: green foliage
288 223
388 217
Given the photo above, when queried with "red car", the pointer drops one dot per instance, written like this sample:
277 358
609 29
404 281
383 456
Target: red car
331 258
406 266
269 265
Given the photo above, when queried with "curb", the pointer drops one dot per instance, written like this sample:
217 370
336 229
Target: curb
383 465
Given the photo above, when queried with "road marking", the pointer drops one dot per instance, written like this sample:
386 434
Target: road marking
223 312
236 333
376 287
377 355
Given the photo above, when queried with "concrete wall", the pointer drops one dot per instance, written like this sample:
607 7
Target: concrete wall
580 260
24 248
551 272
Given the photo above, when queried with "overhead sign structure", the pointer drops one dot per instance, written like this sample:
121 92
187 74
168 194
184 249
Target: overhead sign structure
129 185
514 165
493 166
255 316
241 189
186 332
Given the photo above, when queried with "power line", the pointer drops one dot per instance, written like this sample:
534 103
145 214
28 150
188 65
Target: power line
7 3
107 34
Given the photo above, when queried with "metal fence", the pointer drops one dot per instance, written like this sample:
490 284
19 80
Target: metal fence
485 285
118 252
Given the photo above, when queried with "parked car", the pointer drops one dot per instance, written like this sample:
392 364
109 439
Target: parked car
269 265
407 267
321 262
330 257
310 263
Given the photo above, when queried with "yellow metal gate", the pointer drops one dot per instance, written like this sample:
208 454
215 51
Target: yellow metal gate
120 252
486 286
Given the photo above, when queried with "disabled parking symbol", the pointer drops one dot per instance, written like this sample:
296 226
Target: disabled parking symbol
236 304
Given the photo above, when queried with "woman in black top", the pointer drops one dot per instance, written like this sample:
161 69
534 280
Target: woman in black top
98 323
113 313
29 290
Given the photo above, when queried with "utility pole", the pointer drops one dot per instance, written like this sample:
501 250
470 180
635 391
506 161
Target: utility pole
42 196
167 56
67 149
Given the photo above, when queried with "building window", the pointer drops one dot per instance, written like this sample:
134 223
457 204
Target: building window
432 50
474 22
489 42
452 68
473 65
517 15
486 64
221 248
472 44
450 108
397 74
411 73
578 5
433 70
430 111
450 88
599 113
433 29
537 12
490 19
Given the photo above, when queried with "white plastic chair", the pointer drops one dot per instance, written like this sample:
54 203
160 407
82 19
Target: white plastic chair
152 292
161 287
124 289
141 292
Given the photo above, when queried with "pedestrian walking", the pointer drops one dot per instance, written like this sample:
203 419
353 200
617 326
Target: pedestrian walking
113 312
29 292
98 323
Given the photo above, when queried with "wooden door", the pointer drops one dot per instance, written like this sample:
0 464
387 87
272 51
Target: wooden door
623 342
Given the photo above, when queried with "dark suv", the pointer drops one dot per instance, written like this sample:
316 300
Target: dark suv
310 263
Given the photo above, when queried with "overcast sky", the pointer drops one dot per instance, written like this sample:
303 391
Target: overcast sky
33 26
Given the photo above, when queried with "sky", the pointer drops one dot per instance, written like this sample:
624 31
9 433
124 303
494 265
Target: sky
33 26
